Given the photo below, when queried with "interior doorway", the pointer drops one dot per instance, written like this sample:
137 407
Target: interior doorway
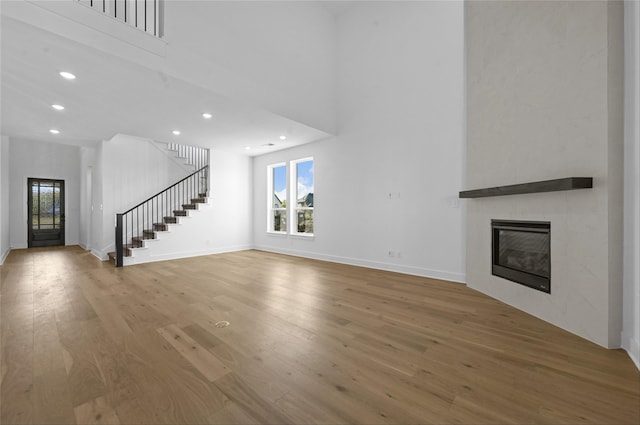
45 212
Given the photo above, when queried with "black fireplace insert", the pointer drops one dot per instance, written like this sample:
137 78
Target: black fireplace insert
521 252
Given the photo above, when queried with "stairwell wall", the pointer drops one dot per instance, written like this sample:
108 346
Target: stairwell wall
126 170
224 224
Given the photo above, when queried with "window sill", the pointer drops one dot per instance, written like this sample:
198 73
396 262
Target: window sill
294 235
272 233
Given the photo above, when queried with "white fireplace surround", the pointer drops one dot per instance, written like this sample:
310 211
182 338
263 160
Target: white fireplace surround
545 101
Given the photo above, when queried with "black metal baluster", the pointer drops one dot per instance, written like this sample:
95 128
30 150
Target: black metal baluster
118 240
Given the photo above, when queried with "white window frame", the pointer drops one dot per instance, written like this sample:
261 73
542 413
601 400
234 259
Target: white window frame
293 194
270 193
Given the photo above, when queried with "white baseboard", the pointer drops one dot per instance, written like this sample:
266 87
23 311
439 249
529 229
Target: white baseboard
130 261
99 255
398 268
4 256
632 347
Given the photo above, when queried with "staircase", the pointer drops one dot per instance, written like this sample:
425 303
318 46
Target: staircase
157 228
148 221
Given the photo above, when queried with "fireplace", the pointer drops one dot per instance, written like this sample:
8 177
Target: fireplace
521 252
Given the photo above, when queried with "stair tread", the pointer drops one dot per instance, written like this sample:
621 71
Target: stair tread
139 238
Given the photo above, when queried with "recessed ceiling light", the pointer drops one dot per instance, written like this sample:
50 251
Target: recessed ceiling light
283 137
247 148
206 115
176 132
57 107
67 75
54 131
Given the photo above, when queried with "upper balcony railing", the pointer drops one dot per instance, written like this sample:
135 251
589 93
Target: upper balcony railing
146 15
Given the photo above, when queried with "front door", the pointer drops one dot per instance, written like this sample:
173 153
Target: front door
46 212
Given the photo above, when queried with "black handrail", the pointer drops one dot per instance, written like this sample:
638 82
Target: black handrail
156 212
164 190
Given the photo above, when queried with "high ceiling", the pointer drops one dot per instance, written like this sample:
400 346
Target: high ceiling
111 95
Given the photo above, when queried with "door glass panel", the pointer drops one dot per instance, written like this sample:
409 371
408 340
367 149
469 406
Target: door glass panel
56 205
35 206
46 205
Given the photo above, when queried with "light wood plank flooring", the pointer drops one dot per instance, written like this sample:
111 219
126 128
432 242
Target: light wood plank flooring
307 342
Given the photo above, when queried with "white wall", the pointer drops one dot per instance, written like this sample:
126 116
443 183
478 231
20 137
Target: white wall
544 101
95 241
43 160
631 289
279 54
126 171
87 167
223 224
400 100
4 198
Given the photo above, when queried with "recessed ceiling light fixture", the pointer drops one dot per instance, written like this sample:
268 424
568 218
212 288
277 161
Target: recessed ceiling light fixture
206 115
57 107
176 132
54 131
67 75
283 137
248 148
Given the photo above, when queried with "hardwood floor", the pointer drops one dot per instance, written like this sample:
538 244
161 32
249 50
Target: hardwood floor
307 342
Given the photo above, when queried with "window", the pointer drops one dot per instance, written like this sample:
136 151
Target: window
300 201
277 198
302 187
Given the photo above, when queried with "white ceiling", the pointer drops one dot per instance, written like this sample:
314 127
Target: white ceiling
111 96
